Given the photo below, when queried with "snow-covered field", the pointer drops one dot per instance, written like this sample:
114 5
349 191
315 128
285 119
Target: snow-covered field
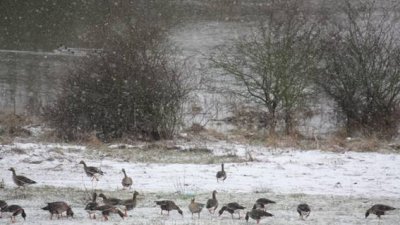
338 186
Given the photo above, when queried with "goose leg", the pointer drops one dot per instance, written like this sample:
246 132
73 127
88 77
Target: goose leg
23 192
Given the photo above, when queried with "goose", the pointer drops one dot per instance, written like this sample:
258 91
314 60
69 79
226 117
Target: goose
303 210
378 210
58 208
212 204
257 214
221 174
231 208
110 201
3 204
91 171
225 208
91 206
20 180
126 181
262 203
168 205
130 203
15 210
106 210
195 207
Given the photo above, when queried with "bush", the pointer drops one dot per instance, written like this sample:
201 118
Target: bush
134 86
362 73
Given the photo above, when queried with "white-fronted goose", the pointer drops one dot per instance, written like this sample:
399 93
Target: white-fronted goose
15 210
126 181
303 210
257 214
225 208
130 203
231 208
221 175
262 203
378 210
110 201
168 205
91 206
106 210
91 171
212 204
20 180
58 208
195 207
3 204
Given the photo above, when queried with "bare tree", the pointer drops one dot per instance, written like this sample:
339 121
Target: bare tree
273 64
362 67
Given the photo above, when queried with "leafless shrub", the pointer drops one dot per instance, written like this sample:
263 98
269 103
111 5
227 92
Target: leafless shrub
12 125
361 70
133 86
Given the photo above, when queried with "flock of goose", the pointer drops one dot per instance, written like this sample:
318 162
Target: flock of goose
120 206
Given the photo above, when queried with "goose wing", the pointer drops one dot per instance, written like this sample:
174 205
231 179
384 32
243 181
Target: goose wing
24 180
381 207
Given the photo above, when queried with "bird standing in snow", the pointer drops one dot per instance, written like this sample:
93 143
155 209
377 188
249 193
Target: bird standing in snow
20 180
58 208
195 207
91 206
257 214
221 175
91 171
378 210
15 210
212 204
303 210
130 203
231 208
126 181
168 205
